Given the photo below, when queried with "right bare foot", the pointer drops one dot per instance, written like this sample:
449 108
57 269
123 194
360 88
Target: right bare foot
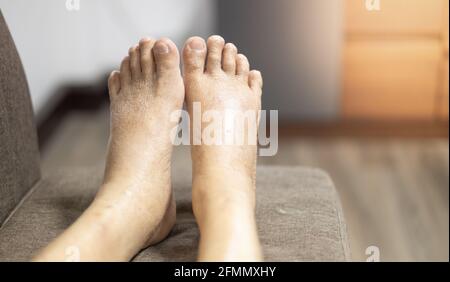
223 189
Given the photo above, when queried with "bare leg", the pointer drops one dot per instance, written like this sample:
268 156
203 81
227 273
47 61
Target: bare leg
223 189
134 207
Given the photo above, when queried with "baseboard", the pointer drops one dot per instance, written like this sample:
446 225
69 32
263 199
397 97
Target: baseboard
92 97
374 129
89 97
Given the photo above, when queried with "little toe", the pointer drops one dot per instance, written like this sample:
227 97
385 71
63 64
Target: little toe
242 66
114 83
255 81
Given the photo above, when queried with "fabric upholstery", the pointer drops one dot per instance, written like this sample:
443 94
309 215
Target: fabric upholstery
19 155
298 213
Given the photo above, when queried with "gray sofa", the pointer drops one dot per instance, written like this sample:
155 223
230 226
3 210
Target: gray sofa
298 211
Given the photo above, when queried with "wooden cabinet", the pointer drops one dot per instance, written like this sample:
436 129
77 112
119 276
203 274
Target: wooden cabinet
395 66
395 17
391 79
443 99
442 102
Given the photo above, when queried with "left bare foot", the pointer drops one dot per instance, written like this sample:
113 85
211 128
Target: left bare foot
134 207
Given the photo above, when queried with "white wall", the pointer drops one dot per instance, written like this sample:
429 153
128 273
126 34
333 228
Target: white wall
58 46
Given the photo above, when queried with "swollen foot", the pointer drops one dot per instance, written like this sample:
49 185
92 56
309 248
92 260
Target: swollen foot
134 207
223 189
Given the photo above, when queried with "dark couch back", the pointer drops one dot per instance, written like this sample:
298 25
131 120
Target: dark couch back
19 154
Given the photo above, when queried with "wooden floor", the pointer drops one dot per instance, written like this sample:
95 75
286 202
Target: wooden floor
395 192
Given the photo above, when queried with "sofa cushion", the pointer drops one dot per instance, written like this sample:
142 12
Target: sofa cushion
298 213
19 155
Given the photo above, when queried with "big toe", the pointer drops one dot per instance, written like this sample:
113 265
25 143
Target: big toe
166 56
194 55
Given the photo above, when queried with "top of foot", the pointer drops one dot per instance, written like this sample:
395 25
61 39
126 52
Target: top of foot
214 70
219 79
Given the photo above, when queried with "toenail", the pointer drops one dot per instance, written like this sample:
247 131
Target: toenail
197 44
133 49
161 48
217 38
145 39
231 46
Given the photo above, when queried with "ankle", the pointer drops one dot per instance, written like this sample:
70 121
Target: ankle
224 188
224 175
220 197
115 210
228 232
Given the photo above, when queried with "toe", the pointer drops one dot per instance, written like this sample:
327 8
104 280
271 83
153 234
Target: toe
114 83
255 81
242 66
125 73
145 50
166 56
135 62
229 58
194 54
214 56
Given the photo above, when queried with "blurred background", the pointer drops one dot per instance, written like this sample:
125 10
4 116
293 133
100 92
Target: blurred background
362 92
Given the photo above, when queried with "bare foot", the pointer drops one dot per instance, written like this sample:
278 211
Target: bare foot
223 189
134 207
144 94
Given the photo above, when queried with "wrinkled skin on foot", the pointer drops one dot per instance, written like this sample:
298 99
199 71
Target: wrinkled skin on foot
223 196
219 79
144 93
134 207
